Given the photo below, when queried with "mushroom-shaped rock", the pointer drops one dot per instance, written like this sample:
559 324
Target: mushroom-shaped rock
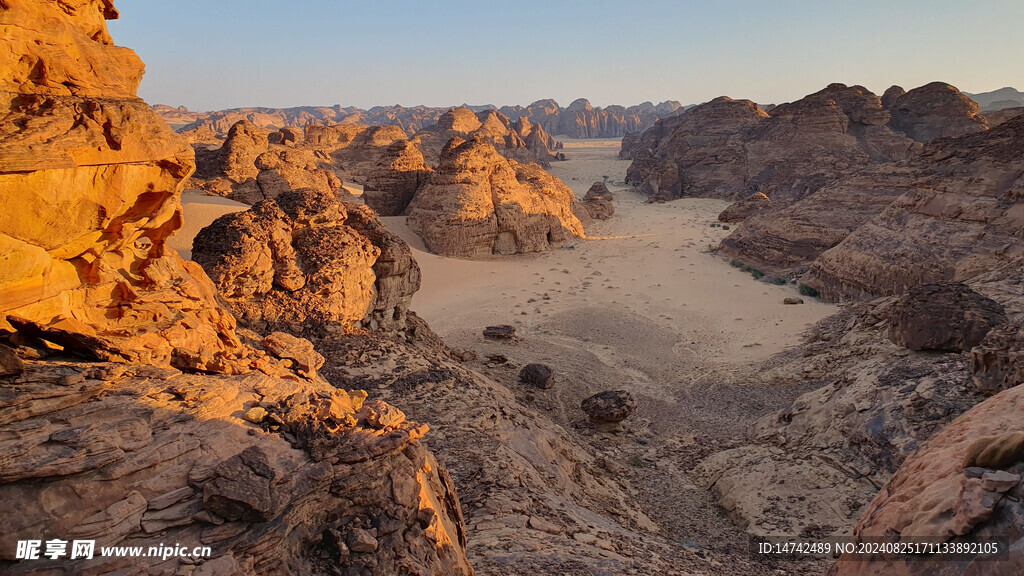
947 316
607 409
539 375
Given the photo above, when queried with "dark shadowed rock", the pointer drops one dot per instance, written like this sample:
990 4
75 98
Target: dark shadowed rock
997 363
607 409
538 375
935 110
501 332
949 317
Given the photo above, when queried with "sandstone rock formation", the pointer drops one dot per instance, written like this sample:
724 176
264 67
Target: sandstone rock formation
123 448
249 168
741 210
935 110
478 203
948 317
598 202
582 120
521 140
964 486
608 409
961 219
305 263
730 149
390 186
91 180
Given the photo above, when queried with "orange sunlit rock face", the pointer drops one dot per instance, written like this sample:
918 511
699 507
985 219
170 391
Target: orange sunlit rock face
90 180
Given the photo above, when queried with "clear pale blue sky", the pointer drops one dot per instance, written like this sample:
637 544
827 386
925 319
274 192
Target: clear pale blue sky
213 54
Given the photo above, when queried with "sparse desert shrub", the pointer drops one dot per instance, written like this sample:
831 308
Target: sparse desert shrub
757 274
725 226
637 462
736 264
806 290
778 281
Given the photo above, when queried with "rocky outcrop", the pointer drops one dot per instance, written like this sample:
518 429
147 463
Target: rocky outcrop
249 168
479 203
962 218
301 264
582 120
598 202
138 414
948 317
578 121
812 467
407 119
935 110
963 486
390 186
788 239
91 180
521 140
756 203
731 149
997 362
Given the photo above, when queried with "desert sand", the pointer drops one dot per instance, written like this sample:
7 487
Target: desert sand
644 280
199 211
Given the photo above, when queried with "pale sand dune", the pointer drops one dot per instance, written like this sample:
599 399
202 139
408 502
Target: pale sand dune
199 211
644 281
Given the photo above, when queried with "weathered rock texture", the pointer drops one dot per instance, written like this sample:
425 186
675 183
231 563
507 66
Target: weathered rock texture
812 467
479 203
102 438
598 202
935 110
306 263
948 317
91 179
390 186
249 168
963 486
962 218
733 148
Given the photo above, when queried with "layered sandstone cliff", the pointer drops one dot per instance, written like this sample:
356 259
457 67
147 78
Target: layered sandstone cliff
963 217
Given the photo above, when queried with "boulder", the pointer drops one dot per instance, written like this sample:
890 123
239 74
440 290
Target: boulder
538 375
608 409
500 332
948 317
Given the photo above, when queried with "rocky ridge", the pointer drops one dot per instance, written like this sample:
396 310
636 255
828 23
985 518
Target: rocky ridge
131 403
